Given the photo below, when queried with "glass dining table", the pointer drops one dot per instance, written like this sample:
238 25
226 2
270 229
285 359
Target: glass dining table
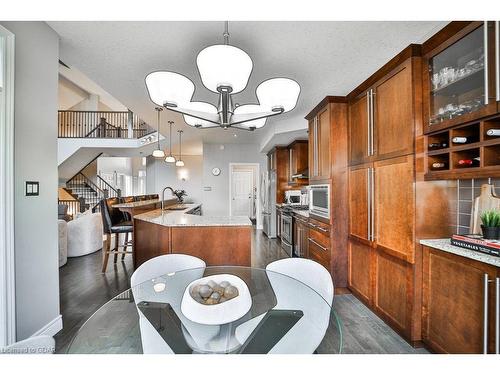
284 316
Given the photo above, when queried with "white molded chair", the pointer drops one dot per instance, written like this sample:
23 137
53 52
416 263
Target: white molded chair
33 345
307 334
152 342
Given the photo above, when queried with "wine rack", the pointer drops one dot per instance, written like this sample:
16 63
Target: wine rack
480 148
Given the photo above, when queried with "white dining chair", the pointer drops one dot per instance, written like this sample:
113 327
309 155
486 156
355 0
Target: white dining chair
34 345
306 335
153 269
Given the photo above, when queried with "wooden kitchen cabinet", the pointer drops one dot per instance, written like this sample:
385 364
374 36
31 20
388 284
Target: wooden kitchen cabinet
453 303
382 116
359 201
360 270
271 160
319 144
319 245
300 236
358 137
393 212
298 162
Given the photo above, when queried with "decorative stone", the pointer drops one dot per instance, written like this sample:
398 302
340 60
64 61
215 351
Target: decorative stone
230 292
219 289
212 284
215 296
211 301
224 284
205 291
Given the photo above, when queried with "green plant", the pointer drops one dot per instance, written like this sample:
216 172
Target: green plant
491 218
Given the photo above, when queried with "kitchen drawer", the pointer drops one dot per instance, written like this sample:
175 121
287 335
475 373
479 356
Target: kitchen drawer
320 237
319 253
319 227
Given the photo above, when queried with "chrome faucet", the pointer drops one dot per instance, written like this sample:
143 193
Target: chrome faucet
163 196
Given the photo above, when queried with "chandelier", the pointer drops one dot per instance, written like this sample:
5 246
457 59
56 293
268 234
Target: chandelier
225 70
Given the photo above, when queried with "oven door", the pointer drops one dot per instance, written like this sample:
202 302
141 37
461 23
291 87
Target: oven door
287 234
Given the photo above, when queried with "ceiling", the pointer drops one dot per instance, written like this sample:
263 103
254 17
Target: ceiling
325 58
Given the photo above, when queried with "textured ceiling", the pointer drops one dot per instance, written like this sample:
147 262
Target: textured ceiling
326 58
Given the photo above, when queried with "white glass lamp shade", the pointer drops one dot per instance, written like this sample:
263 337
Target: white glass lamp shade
169 87
224 65
278 92
158 153
170 159
179 163
201 107
251 108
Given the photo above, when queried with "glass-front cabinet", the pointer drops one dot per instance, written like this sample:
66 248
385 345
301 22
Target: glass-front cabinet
461 77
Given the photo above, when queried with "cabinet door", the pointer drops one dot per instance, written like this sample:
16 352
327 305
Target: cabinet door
358 131
453 303
358 201
395 207
312 149
323 147
393 114
359 274
393 286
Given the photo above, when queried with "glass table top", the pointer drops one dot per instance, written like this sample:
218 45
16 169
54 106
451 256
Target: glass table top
273 313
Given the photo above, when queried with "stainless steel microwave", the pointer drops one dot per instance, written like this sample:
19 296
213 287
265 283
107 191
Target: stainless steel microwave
319 200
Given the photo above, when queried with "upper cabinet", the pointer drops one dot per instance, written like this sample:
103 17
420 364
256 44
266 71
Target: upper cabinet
461 77
298 163
382 117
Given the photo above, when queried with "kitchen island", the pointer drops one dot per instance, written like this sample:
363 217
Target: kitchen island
218 240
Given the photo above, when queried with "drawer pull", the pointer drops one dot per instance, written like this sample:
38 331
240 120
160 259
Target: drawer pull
317 244
322 229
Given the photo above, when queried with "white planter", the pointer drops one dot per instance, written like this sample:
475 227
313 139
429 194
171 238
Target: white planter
222 313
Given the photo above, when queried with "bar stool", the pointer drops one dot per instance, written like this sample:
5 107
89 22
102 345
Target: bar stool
128 217
113 222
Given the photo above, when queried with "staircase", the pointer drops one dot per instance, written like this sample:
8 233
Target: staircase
90 193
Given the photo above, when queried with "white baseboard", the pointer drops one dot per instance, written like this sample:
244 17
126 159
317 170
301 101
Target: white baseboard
51 328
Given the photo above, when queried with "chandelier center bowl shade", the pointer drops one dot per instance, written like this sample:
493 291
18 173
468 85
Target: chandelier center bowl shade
225 70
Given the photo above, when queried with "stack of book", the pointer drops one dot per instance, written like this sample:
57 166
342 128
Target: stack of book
477 243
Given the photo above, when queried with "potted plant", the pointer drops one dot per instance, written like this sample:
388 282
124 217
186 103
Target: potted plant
491 224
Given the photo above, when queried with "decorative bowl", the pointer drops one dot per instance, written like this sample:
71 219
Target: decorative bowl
222 313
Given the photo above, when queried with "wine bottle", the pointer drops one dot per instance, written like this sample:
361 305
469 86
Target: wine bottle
437 145
469 163
463 140
438 165
493 132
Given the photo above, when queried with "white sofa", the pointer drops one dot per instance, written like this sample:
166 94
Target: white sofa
63 242
84 234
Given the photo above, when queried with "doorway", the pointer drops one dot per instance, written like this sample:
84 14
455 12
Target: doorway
243 191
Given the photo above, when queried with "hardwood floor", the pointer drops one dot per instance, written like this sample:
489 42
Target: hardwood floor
83 289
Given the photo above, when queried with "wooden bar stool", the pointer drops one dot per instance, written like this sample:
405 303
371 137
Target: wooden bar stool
114 222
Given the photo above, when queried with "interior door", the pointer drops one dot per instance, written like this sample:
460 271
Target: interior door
393 114
358 139
241 193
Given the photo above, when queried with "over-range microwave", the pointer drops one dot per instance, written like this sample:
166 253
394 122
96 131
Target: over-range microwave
319 200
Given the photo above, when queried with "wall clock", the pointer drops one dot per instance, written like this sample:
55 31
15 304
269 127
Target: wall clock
216 171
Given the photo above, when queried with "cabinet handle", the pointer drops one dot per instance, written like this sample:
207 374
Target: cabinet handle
485 314
486 89
497 59
497 317
372 210
369 127
317 244
372 122
290 156
322 229
368 204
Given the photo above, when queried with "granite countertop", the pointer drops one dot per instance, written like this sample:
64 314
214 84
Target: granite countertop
303 213
444 244
182 218
136 204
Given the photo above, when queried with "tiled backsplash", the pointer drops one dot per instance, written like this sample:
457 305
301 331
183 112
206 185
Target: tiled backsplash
468 190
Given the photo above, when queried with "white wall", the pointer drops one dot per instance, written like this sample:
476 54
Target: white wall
216 201
35 137
160 174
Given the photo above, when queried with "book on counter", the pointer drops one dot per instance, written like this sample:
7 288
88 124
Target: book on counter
476 242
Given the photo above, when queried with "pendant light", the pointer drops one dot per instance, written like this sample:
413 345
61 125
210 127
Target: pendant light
179 162
170 158
158 153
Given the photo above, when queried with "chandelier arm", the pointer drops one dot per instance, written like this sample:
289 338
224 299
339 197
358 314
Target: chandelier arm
210 117
240 118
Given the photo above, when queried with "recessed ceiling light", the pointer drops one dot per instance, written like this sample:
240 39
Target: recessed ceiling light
235 135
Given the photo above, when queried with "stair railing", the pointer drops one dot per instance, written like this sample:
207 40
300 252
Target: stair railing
91 193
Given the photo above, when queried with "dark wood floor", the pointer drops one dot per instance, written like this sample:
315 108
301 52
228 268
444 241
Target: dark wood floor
83 289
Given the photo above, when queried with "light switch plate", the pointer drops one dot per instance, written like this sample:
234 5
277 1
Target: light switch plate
32 188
